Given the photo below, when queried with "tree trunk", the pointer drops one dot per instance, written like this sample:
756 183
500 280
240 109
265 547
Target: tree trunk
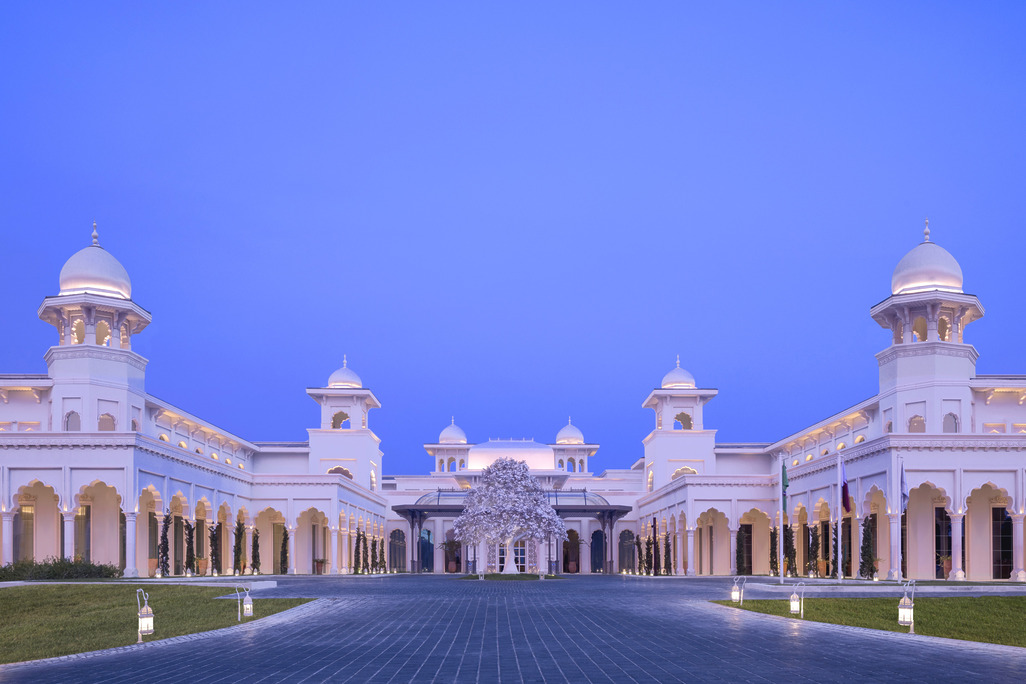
510 568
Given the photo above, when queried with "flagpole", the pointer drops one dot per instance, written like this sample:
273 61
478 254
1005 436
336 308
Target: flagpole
780 530
838 556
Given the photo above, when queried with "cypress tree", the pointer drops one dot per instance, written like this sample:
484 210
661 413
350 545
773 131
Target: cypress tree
867 561
214 550
639 559
366 556
374 555
774 566
190 547
255 554
163 564
813 561
240 537
668 556
739 554
648 555
283 567
790 553
356 555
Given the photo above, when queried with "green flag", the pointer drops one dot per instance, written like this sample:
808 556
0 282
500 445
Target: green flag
783 484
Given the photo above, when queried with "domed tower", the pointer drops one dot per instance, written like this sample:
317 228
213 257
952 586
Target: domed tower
344 443
925 372
450 453
680 443
571 452
93 365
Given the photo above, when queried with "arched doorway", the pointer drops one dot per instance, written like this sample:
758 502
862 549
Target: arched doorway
572 552
427 551
397 551
628 560
598 551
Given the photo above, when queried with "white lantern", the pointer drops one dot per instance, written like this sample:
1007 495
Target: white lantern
247 606
796 604
905 608
735 593
145 613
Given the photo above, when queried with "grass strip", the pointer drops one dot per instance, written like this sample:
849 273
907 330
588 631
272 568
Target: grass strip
43 621
990 619
519 577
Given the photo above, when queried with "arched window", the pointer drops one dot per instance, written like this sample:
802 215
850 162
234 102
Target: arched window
627 554
841 445
889 427
570 465
397 551
183 445
950 423
651 480
199 450
683 470
899 332
462 464
72 422
824 452
106 423
339 419
919 329
452 463
164 438
441 465
561 465
340 470
682 421
860 439
944 330
917 424
78 332
135 425
102 333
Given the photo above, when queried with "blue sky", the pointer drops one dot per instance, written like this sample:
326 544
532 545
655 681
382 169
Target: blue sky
516 212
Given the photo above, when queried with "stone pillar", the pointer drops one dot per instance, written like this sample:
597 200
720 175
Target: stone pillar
957 571
8 533
856 540
130 540
160 526
691 552
895 571
1018 563
69 538
247 551
292 551
333 532
414 545
733 551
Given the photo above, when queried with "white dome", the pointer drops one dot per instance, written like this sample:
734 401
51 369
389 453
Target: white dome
569 435
344 377
94 270
452 434
927 267
678 378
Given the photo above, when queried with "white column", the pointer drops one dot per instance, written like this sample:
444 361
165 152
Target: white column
333 532
691 552
247 552
856 540
733 552
69 538
1018 563
895 572
292 551
679 551
8 531
957 571
130 560
439 553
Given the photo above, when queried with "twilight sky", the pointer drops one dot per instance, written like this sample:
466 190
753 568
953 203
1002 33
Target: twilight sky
513 212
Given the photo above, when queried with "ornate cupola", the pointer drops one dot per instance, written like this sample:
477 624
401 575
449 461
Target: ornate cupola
344 442
679 440
927 314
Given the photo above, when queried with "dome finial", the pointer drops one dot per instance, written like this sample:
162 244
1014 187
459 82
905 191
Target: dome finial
568 421
345 361
926 231
453 422
678 360
96 236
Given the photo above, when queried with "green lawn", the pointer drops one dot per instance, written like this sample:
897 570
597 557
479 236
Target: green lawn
42 621
519 577
992 619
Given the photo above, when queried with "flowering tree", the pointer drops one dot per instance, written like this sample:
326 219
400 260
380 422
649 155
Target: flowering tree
507 505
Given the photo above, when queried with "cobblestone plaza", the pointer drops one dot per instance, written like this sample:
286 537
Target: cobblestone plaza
583 629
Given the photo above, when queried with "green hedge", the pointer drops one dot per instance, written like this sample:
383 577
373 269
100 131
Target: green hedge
57 569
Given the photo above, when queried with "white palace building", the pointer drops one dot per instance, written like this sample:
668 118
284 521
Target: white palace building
90 463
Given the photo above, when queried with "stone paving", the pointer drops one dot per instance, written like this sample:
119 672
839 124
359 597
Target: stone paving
583 629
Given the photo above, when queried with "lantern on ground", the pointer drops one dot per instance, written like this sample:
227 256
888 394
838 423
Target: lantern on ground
145 613
737 593
797 603
906 606
245 603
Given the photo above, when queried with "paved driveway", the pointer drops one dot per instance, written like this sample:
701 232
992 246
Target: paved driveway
600 629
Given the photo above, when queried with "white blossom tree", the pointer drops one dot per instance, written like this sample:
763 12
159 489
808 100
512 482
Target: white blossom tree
508 504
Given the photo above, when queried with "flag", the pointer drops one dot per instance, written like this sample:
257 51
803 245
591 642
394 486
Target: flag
844 490
783 486
904 489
